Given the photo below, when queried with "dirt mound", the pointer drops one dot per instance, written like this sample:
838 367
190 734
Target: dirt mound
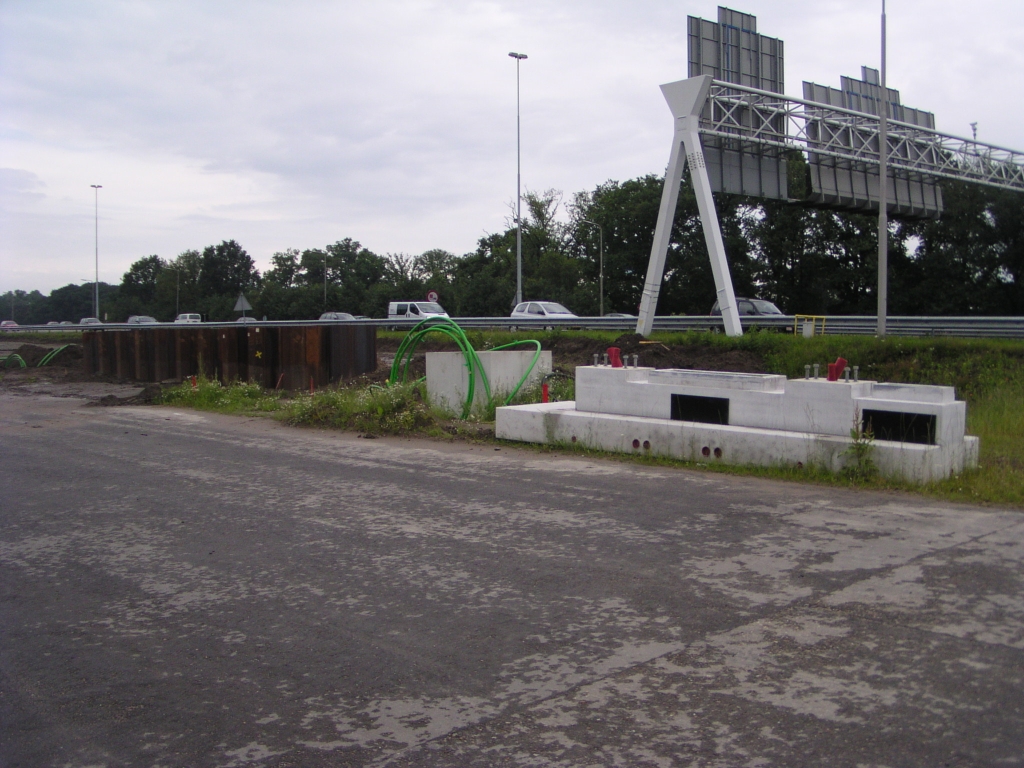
32 354
149 395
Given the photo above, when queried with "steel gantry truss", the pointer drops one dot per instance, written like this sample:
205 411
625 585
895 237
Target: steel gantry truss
773 124
773 120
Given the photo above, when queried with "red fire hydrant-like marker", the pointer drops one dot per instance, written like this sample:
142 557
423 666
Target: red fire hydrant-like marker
615 357
835 370
544 391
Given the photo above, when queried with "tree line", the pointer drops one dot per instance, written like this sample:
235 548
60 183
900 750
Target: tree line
806 260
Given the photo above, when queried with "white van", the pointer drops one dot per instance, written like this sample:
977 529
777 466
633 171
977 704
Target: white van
415 310
189 317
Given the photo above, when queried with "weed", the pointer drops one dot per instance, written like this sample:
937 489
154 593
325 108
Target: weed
210 395
861 464
375 409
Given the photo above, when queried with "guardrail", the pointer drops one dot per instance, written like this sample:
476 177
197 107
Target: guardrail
856 325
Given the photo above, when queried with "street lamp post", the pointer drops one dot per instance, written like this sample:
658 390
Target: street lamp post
96 284
325 282
519 190
600 272
883 198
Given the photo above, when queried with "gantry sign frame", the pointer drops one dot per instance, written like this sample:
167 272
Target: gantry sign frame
768 124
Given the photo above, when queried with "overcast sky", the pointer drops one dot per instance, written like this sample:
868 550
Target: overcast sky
296 124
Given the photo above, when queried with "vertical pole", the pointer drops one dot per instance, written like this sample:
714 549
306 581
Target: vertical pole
883 197
177 293
96 284
325 282
600 265
519 200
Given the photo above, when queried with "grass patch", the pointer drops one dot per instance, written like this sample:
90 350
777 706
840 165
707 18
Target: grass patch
998 419
210 395
375 409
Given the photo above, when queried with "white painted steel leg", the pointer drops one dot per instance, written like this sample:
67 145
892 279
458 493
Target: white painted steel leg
712 232
686 98
662 234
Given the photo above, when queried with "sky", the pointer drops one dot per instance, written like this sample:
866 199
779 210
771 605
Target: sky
393 122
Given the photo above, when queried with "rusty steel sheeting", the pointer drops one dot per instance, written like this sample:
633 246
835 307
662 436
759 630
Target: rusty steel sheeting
124 366
291 351
292 356
261 355
351 352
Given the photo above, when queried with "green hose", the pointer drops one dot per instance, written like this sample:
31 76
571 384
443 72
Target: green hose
49 356
14 357
449 328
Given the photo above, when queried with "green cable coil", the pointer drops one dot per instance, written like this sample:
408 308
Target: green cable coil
49 356
452 330
13 358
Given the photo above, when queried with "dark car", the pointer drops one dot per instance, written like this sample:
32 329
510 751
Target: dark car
751 307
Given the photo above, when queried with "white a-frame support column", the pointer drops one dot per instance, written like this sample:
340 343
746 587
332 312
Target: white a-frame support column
686 98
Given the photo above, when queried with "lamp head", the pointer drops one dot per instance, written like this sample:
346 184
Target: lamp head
519 56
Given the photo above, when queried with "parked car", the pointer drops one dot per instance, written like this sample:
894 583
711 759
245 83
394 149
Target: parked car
8 324
619 314
337 316
53 322
189 317
66 322
90 321
141 320
541 309
417 310
751 307
245 319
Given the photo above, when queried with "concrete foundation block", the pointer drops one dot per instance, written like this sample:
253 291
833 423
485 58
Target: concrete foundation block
448 376
761 419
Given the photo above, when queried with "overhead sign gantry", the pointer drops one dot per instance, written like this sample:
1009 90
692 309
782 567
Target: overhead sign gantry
734 128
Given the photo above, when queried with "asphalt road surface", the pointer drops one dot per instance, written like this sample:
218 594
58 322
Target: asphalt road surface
183 589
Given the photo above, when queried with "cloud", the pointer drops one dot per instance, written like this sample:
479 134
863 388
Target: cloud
393 122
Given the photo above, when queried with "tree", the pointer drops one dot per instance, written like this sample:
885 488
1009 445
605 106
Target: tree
286 271
138 287
977 246
226 270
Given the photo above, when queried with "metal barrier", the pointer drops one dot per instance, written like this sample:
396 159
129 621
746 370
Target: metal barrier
860 325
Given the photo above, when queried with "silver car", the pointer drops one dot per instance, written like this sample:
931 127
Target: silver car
539 310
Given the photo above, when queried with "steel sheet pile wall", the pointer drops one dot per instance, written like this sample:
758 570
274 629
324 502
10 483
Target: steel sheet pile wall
287 356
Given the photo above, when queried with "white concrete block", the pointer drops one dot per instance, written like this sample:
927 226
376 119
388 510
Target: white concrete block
770 420
448 376
560 423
